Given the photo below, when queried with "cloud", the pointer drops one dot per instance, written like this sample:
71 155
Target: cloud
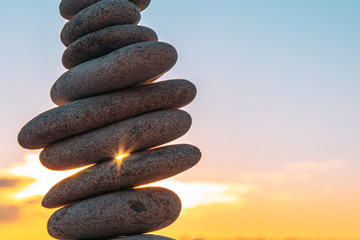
9 213
11 208
193 194
9 183
271 176
43 179
24 184
317 166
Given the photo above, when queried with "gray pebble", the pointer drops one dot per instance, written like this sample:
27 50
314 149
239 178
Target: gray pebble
145 237
99 15
134 134
142 4
69 8
104 41
134 170
123 213
129 66
86 114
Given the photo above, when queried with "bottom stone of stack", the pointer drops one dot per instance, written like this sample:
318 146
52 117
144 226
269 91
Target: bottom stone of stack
122 213
145 237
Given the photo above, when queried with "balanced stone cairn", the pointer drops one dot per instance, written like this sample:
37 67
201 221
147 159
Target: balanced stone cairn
113 117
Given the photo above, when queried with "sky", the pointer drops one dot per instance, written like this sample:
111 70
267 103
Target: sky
276 115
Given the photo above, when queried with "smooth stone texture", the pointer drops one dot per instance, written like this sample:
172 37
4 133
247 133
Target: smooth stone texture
128 212
134 170
99 15
129 66
144 237
104 41
69 8
86 114
134 134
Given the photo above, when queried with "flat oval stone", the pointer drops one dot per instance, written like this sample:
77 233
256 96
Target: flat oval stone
134 170
134 134
69 8
145 237
129 66
123 213
89 113
97 16
104 41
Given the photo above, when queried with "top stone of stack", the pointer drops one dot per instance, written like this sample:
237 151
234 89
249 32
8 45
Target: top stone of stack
69 8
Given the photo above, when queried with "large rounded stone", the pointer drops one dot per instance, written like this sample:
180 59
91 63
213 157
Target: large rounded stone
122 213
134 170
86 114
134 134
145 237
69 8
126 67
99 15
104 41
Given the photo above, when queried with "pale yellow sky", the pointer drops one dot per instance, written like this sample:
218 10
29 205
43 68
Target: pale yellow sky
277 204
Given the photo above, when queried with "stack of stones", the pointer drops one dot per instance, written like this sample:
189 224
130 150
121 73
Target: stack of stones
113 117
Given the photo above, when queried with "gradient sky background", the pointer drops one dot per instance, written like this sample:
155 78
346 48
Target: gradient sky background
276 116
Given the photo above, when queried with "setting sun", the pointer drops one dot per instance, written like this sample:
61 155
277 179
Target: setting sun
120 157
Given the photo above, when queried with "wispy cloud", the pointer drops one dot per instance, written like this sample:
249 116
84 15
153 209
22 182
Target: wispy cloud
39 180
9 183
43 178
193 194
297 170
9 213
318 166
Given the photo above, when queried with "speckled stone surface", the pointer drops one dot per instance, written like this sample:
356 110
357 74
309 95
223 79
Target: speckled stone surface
128 212
86 114
99 15
113 175
104 41
134 134
68 8
144 237
123 68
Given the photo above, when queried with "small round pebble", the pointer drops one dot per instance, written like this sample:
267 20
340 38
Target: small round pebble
129 66
99 15
123 213
134 134
69 8
104 41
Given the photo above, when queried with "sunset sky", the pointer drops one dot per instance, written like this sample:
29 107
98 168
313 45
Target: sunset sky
277 115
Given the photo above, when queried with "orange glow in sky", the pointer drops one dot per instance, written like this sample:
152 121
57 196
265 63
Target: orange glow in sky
265 206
